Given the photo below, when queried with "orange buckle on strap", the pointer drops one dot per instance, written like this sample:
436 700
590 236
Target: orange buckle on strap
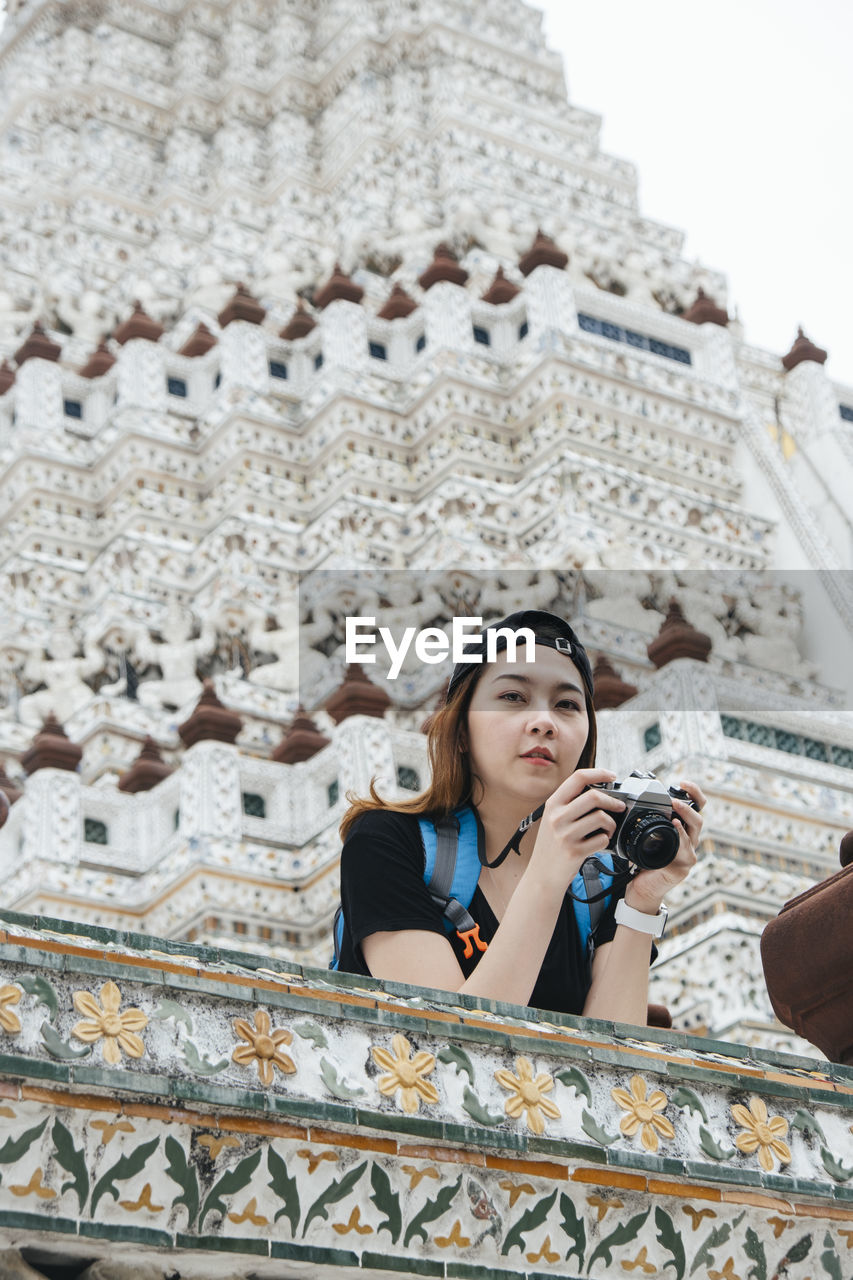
469 937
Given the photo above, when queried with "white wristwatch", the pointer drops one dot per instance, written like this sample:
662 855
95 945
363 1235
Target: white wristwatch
638 920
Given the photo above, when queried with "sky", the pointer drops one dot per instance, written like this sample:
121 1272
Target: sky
739 118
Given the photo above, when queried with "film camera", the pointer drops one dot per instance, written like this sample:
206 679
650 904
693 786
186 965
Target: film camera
644 833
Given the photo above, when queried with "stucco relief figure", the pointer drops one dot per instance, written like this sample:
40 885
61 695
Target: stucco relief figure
282 641
774 618
177 656
639 276
622 592
13 657
207 289
64 675
115 638
15 315
516 594
85 313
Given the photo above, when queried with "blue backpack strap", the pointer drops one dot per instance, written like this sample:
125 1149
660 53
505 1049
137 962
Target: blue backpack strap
451 871
337 937
587 883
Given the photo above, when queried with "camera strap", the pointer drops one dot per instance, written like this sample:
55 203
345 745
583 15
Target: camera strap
621 874
514 842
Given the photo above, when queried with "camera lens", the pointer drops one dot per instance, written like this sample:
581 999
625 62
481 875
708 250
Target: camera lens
650 841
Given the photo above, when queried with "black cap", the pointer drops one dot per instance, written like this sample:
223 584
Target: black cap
548 630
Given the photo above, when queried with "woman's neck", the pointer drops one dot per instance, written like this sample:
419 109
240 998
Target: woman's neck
501 819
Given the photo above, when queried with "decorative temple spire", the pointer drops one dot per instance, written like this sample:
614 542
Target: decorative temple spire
199 342
677 638
38 346
542 253
398 305
300 324
242 306
51 749
610 689
147 770
357 696
301 741
803 349
138 325
704 310
501 290
211 720
444 266
100 361
338 286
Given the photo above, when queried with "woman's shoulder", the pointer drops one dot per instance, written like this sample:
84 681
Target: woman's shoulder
385 823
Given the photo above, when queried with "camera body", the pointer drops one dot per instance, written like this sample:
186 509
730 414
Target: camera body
644 833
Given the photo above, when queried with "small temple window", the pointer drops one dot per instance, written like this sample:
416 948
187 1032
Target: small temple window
420 345
72 409
408 779
278 369
523 330
615 332
95 831
177 387
318 360
846 412
378 351
652 738
254 806
482 336
333 792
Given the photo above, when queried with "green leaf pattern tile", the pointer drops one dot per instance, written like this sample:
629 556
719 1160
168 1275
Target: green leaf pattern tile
160 1173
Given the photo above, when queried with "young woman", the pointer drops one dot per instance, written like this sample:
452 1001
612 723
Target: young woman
511 735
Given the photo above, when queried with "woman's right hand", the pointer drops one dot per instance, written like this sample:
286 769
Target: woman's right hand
575 823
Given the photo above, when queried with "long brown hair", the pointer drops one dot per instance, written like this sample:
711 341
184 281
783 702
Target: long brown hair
451 782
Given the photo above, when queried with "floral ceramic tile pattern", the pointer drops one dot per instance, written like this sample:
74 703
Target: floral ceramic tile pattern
236 1108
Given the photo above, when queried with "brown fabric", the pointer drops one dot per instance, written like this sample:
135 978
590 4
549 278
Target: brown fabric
807 953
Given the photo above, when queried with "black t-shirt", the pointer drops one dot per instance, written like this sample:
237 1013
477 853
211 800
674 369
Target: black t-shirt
383 889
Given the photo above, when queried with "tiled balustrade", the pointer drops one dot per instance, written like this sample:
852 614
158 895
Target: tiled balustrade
175 1102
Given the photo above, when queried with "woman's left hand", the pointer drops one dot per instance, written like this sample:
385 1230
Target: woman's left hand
647 890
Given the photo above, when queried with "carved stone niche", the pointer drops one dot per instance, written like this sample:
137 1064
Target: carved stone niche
807 953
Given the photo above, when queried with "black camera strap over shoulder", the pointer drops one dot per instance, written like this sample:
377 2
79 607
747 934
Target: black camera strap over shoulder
621 874
514 841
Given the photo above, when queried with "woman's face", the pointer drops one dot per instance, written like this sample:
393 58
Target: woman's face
527 725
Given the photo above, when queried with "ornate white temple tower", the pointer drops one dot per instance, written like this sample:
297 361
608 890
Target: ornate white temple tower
288 287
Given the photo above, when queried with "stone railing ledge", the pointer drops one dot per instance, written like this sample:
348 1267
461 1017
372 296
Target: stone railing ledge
187 1101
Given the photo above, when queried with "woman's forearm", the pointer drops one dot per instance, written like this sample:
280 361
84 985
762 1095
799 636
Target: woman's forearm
509 968
620 979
